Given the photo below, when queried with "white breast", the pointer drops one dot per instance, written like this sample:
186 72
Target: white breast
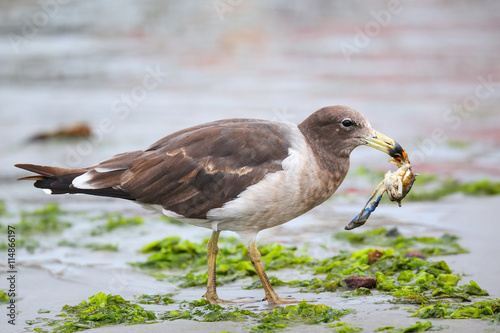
279 196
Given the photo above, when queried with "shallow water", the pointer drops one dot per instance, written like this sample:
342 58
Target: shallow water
136 71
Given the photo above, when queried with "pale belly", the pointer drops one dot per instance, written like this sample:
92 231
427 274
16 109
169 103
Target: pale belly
278 198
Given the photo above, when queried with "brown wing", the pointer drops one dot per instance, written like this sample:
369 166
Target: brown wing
194 170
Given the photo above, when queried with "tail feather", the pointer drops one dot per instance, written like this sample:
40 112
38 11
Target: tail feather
49 171
60 181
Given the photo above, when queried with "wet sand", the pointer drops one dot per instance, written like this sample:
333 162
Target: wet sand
57 276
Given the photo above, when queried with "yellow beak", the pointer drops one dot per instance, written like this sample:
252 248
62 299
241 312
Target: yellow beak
387 145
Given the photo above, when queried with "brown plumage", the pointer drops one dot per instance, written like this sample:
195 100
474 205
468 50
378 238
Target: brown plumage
243 175
188 172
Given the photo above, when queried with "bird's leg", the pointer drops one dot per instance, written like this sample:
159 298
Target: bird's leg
212 250
271 296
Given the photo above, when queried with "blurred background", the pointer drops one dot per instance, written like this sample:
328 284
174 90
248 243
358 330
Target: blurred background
426 73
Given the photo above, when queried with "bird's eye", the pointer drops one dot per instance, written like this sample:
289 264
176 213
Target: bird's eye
347 122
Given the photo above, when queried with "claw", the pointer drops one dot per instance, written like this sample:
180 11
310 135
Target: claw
370 206
397 185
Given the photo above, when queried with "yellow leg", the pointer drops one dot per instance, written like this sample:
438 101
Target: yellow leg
212 250
271 296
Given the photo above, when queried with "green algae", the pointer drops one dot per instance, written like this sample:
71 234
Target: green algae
163 299
102 247
275 282
277 319
3 208
429 187
458 144
302 313
4 298
362 291
451 186
201 310
408 279
171 220
174 253
342 327
92 246
115 221
232 260
485 309
45 220
417 327
429 246
99 310
373 175
29 244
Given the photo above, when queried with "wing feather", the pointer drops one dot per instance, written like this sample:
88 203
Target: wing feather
204 168
188 172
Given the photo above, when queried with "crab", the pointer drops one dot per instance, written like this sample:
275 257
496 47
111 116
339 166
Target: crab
397 184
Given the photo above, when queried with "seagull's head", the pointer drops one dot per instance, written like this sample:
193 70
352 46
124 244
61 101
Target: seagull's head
341 129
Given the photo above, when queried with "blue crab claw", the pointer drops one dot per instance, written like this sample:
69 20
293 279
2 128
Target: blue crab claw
370 206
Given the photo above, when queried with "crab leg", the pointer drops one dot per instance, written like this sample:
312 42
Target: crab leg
370 206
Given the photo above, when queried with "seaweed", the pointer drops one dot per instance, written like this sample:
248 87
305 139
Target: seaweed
99 310
201 310
428 246
417 327
232 261
302 313
156 299
409 279
115 221
29 244
432 187
3 208
278 318
485 309
452 186
45 220
4 298
102 247
342 327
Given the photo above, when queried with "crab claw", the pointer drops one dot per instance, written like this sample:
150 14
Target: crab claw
370 206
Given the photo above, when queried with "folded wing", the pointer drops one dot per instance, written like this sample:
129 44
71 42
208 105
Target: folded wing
188 172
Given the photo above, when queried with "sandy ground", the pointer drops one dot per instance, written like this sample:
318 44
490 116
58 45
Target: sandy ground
428 77
55 277
480 265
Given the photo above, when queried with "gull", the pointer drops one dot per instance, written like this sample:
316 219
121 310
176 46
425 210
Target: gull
240 175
